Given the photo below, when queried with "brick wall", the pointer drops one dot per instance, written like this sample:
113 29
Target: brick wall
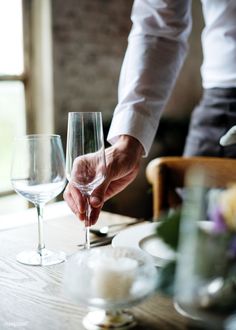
90 38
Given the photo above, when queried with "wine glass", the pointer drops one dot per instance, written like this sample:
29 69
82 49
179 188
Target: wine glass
38 174
205 275
109 280
204 294
85 157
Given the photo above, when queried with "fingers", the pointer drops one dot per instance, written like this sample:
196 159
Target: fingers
77 204
96 201
78 199
75 201
111 187
94 214
98 195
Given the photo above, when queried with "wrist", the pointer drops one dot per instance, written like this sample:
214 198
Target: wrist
131 144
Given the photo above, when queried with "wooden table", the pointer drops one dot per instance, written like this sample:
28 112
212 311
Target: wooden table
32 298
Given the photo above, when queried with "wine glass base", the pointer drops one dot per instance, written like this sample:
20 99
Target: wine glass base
185 313
45 258
230 323
207 322
100 319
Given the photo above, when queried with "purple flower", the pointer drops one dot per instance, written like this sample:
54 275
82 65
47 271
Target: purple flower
219 225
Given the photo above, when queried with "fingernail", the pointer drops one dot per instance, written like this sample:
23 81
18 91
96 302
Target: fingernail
95 201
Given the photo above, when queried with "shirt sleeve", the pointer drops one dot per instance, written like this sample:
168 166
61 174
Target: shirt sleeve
156 50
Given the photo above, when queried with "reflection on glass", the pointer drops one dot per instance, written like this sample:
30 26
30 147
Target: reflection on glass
11 37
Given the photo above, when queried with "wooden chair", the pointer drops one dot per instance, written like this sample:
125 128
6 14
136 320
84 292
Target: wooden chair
165 174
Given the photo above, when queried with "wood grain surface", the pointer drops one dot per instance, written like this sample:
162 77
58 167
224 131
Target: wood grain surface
33 298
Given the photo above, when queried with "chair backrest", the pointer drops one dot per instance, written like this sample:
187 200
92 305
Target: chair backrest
165 174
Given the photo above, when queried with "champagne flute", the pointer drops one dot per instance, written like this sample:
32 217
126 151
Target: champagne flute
85 157
38 174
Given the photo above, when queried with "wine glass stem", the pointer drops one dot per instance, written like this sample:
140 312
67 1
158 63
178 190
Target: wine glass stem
87 222
41 244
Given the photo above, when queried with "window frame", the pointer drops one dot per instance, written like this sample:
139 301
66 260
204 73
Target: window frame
23 77
37 80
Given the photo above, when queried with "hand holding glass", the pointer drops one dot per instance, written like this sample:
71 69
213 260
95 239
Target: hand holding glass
38 174
85 157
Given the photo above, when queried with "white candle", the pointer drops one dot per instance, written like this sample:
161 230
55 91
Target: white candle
113 278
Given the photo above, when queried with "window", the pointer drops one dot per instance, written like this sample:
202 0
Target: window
26 89
12 85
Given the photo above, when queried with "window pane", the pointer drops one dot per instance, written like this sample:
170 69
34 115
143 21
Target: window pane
12 123
11 37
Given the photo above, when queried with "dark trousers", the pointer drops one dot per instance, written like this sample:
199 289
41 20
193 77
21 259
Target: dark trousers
212 118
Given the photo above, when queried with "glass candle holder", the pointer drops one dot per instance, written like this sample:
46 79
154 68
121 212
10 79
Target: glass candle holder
109 280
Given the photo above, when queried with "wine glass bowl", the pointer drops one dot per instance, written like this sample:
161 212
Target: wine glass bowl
85 157
38 174
110 279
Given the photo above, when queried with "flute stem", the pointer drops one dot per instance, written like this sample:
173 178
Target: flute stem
87 238
87 222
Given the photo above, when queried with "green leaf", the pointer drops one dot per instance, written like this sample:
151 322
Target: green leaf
168 229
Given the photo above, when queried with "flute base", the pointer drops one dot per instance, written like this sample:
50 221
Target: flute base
44 258
116 320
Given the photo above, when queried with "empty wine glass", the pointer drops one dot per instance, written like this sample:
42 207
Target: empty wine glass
38 174
85 157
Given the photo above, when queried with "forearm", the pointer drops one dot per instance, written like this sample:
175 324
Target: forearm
156 51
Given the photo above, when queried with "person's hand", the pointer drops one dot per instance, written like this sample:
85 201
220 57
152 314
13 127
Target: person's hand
122 166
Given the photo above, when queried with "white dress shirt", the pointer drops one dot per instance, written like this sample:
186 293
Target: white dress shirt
157 47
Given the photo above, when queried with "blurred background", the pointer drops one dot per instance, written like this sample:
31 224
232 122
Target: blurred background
59 56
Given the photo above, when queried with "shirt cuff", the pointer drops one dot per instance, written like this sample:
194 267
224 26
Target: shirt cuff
135 124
